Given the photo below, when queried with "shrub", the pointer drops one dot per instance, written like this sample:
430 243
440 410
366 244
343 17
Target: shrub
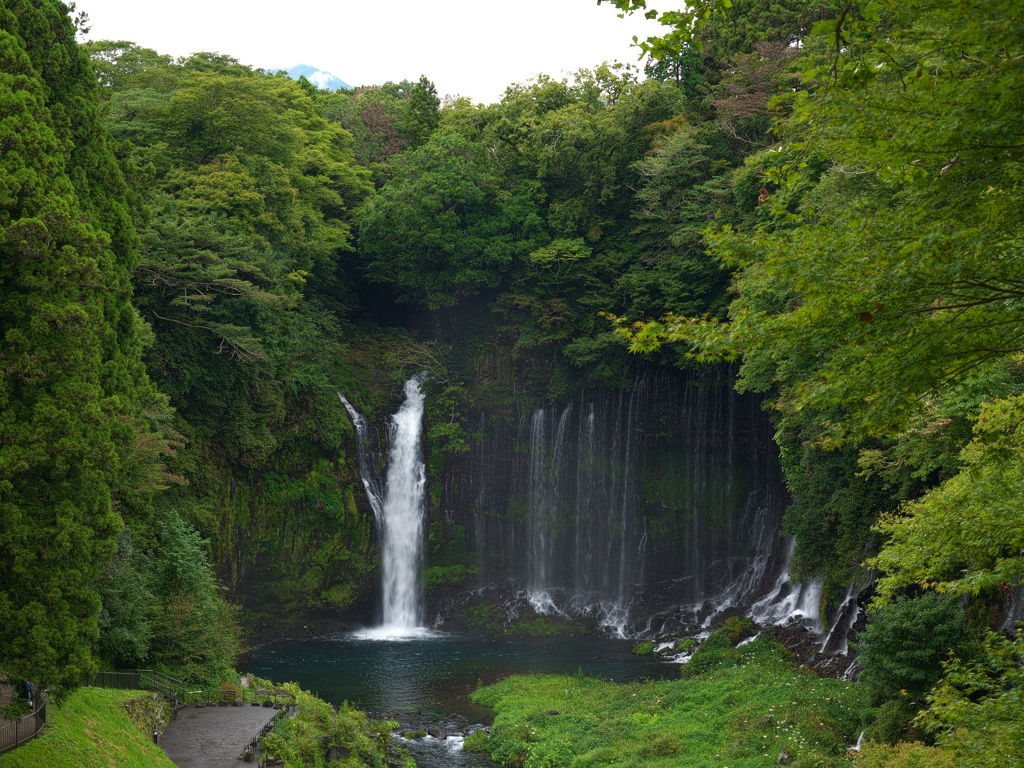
906 641
737 629
545 627
977 709
439 576
485 617
716 651
303 738
894 722
686 645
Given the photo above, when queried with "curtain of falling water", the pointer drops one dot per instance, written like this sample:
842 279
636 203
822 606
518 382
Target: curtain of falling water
402 545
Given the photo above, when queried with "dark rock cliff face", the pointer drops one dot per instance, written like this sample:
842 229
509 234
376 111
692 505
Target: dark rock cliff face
613 505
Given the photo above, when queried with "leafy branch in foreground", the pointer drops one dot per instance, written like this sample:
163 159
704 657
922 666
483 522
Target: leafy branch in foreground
965 536
978 707
900 269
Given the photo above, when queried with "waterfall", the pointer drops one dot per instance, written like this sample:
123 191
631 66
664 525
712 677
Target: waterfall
661 499
543 506
585 543
399 510
403 514
791 600
836 641
374 491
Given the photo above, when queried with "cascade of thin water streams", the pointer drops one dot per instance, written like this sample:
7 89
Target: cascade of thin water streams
789 600
845 617
585 545
663 498
372 484
543 506
398 506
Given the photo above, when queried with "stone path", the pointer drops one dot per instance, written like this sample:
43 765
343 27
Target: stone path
213 737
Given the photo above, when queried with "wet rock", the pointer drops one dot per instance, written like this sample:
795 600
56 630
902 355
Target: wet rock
337 752
804 647
437 733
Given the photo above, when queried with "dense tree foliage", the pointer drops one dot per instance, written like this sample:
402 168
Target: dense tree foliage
565 199
977 709
246 197
904 645
74 396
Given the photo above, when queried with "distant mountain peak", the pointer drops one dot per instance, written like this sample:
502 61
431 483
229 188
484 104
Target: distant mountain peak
318 77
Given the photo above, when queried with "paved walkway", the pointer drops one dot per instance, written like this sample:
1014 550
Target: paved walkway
213 737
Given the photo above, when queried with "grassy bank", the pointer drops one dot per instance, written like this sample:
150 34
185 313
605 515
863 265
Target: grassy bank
91 729
739 708
98 728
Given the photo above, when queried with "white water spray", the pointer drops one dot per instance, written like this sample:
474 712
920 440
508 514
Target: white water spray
791 600
836 641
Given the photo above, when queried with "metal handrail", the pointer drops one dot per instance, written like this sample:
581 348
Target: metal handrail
143 679
148 679
255 745
10 739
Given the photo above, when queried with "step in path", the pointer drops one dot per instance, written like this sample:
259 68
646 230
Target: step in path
213 737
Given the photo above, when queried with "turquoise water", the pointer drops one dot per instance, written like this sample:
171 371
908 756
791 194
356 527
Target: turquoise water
430 676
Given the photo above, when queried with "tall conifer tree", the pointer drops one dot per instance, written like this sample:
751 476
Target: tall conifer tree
72 385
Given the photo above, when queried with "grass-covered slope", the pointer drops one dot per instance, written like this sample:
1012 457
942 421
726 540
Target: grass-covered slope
746 707
91 729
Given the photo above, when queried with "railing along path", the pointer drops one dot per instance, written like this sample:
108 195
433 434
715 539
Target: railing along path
25 728
178 696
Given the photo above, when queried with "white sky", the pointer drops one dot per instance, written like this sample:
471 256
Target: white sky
471 48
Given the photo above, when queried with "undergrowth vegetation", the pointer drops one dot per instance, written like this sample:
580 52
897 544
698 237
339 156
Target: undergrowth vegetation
319 733
747 706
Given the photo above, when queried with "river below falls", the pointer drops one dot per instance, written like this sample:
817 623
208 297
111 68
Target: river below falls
428 677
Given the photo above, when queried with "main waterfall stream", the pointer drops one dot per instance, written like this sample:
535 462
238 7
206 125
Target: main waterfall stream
399 511
402 545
